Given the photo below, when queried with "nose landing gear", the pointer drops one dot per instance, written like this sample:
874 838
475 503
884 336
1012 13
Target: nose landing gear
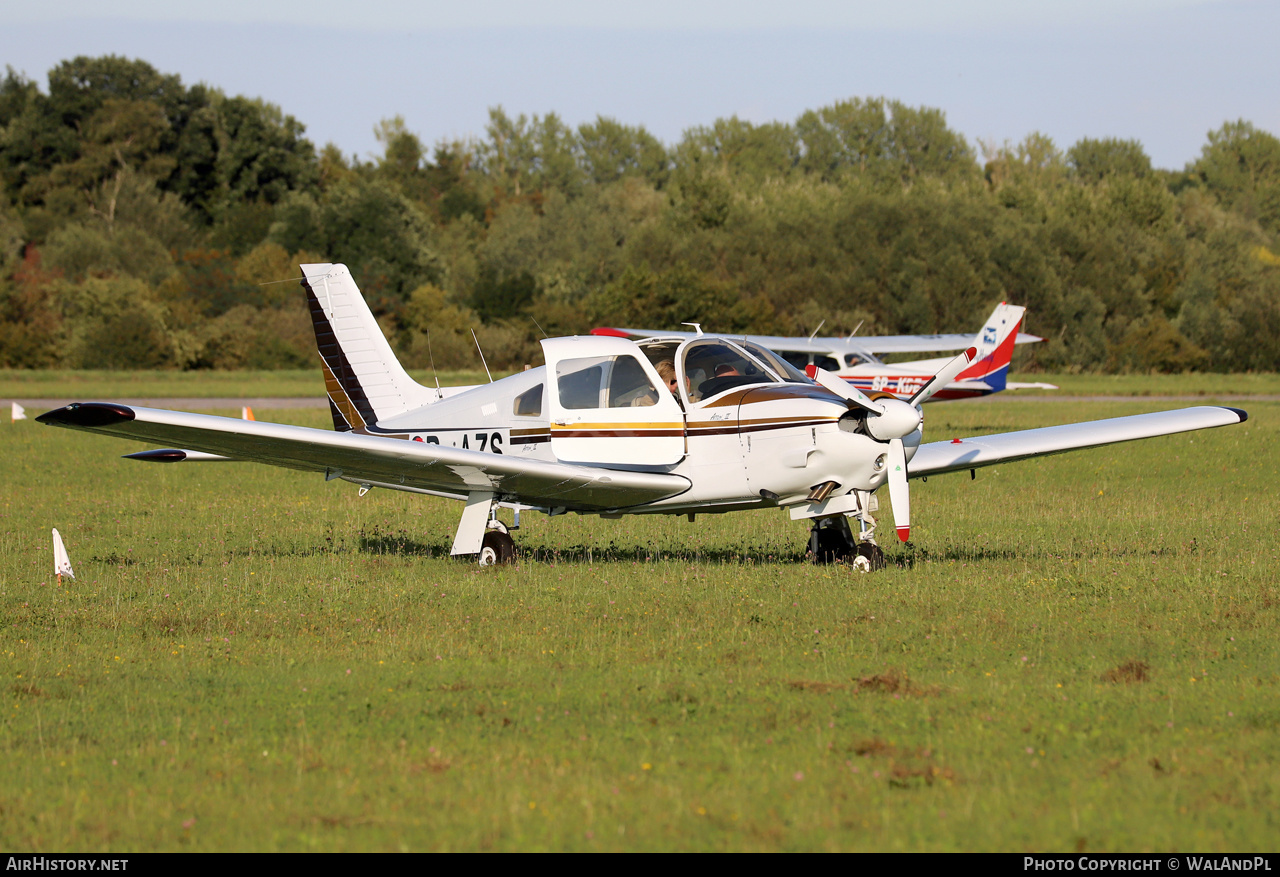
831 541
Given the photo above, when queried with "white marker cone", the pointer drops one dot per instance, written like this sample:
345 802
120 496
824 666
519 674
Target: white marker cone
19 413
61 562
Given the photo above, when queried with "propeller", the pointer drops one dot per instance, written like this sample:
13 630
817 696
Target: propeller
946 375
892 420
842 388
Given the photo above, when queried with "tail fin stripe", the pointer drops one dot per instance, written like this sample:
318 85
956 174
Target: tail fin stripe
341 401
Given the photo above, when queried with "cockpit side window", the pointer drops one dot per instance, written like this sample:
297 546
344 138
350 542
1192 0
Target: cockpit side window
604 382
629 385
715 365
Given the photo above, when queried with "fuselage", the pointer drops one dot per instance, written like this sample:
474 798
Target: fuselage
751 440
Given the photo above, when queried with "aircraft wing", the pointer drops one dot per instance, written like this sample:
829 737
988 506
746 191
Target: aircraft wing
876 344
971 453
383 460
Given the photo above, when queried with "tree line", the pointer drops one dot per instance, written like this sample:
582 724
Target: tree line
148 224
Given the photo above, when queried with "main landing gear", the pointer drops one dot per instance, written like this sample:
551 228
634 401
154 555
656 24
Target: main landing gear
497 547
481 535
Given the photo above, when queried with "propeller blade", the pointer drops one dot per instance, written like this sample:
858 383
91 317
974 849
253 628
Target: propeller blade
842 388
899 493
945 376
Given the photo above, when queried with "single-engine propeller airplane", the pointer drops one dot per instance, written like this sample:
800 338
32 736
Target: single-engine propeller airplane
612 427
855 359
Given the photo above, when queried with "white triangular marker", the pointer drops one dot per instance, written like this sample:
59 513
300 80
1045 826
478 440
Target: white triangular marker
19 413
61 562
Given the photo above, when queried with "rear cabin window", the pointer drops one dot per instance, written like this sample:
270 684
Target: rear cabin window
529 403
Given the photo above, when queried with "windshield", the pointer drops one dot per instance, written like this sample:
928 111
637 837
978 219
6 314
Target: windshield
714 365
785 370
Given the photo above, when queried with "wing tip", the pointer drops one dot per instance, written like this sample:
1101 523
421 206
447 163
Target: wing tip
162 455
88 415
1239 412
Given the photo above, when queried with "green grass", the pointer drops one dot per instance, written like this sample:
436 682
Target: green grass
1079 653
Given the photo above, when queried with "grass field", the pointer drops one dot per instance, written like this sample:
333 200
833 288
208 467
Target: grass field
1079 653
86 385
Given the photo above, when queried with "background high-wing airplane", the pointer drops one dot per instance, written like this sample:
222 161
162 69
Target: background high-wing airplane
611 426
856 361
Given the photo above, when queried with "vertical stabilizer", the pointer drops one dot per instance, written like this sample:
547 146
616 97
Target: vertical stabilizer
995 344
363 378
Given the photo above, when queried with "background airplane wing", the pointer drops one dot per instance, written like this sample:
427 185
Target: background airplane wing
393 462
972 453
921 343
870 343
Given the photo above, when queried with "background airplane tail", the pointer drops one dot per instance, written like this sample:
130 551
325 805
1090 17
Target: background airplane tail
995 344
363 378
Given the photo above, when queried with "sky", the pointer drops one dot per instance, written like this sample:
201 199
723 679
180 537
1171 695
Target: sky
1163 72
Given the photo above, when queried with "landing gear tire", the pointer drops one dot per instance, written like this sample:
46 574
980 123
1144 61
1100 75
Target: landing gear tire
497 548
830 541
869 557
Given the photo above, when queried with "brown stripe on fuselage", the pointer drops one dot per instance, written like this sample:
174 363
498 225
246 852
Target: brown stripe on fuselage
767 423
774 393
530 436
567 432
761 425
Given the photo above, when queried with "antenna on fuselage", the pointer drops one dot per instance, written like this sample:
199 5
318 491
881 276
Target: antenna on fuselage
432 357
855 330
485 364
539 325
815 331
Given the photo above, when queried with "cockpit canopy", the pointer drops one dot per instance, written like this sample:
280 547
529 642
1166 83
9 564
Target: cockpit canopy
707 366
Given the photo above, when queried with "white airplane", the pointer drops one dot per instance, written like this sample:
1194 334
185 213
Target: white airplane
855 359
611 427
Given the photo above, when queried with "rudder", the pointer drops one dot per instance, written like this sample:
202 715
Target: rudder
364 380
995 343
